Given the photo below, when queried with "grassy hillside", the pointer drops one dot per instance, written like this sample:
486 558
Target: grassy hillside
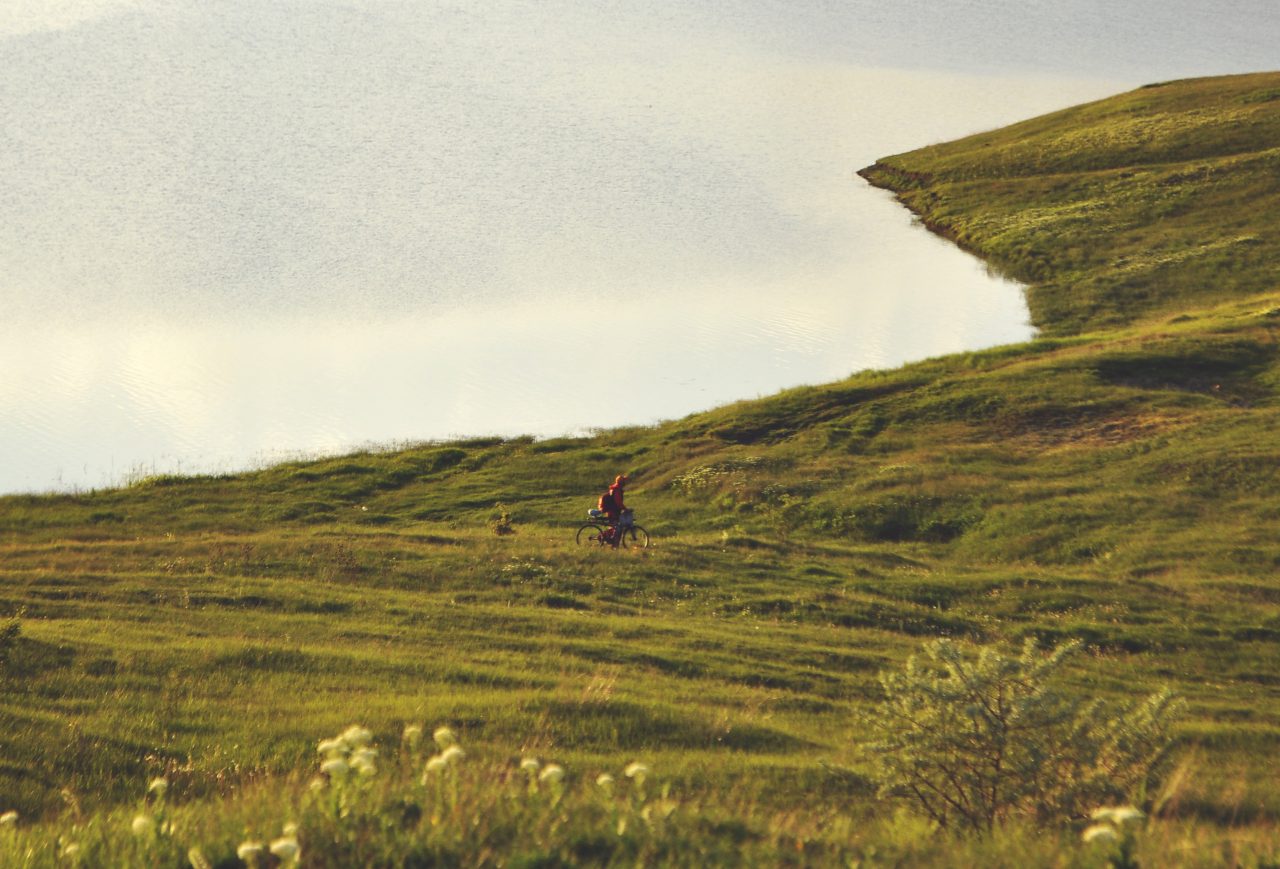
1113 481
1161 199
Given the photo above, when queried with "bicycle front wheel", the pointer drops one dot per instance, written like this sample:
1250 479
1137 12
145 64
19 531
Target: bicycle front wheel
635 537
589 534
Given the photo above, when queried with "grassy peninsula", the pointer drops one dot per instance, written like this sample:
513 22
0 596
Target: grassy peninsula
1114 481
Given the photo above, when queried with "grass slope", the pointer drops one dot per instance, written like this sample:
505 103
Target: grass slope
1113 481
1161 199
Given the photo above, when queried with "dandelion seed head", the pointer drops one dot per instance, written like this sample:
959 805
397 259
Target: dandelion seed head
1099 833
552 773
444 736
143 825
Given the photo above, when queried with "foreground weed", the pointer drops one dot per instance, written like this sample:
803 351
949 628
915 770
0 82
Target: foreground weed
973 737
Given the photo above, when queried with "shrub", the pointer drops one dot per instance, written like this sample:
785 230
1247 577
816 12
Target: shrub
974 739
500 521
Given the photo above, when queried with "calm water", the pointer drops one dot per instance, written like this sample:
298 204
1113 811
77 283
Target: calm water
237 231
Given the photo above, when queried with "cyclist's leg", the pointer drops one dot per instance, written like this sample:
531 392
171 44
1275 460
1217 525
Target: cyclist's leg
611 533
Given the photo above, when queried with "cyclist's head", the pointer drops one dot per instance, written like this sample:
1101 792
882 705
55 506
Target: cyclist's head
620 480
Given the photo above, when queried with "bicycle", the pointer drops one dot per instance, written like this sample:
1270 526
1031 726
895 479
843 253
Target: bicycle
625 533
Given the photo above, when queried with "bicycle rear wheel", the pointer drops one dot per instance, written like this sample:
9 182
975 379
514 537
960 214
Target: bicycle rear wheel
589 534
635 537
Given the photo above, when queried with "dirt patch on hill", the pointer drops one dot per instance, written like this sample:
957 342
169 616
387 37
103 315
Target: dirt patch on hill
1096 432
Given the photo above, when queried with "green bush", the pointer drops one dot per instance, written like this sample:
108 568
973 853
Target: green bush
974 739
500 521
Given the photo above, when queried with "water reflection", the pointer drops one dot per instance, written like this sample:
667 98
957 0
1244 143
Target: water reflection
226 242
220 395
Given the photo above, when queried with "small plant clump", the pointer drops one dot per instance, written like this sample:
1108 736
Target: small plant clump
500 523
1113 831
974 740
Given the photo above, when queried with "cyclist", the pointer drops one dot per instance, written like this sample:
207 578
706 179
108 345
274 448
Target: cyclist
611 503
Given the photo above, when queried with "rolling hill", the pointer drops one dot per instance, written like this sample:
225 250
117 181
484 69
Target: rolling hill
1112 481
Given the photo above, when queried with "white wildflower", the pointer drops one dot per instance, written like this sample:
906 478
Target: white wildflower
445 737
331 746
637 771
143 825
286 848
661 810
336 768
9 819
317 784
1099 833
552 773
249 851
530 765
452 754
289 829
1120 815
71 850
413 735
1126 814
604 781
357 736
435 763
197 859
159 787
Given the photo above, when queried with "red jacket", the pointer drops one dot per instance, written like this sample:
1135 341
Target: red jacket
616 491
611 502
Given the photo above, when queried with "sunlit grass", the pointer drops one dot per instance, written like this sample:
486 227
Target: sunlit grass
490 807
1114 486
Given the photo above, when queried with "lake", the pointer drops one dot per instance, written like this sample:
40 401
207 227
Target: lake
239 232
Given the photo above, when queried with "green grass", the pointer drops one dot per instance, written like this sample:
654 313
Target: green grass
1158 200
1112 481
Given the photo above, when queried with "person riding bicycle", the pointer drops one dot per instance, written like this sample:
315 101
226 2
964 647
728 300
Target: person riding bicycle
621 530
612 505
